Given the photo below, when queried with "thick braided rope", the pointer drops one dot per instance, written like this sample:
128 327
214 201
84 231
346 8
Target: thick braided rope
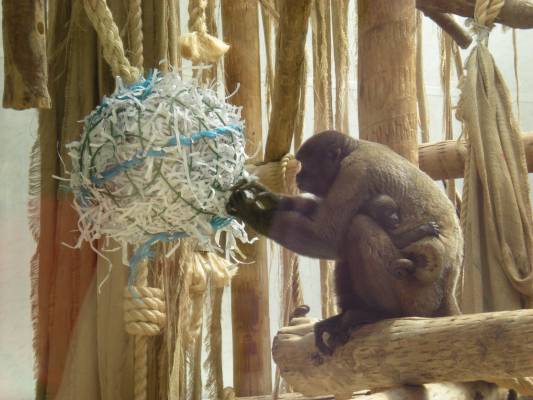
144 315
135 29
197 18
486 11
107 31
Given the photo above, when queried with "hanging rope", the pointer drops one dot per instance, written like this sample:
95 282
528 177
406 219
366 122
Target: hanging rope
197 45
135 31
107 31
420 89
144 315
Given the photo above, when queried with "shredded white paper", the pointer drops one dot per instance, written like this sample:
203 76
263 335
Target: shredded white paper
156 161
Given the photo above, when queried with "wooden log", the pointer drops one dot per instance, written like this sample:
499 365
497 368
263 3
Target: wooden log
490 347
438 391
440 160
451 27
290 56
25 63
252 372
514 13
387 74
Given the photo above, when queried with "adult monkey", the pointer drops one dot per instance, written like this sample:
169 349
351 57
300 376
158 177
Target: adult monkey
345 175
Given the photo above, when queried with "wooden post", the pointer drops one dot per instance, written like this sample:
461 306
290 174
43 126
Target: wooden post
25 64
387 74
440 160
252 372
290 59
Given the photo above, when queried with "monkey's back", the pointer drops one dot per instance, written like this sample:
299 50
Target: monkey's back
420 200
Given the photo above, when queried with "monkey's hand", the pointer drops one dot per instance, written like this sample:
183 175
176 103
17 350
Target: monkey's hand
243 204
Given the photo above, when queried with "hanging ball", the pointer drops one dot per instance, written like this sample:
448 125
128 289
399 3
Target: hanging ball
157 161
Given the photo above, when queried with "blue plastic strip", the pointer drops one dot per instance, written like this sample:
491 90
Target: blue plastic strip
144 251
116 169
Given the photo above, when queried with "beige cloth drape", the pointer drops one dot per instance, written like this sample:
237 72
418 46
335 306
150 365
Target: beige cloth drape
496 213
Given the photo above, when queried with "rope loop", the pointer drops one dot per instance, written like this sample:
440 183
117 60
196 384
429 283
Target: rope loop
108 33
144 310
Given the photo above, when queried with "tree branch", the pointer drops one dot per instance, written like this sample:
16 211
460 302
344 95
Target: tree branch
515 13
451 27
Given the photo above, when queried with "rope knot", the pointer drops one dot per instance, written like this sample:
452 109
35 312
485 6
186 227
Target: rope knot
479 31
144 310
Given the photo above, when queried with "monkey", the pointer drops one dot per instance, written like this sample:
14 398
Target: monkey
343 175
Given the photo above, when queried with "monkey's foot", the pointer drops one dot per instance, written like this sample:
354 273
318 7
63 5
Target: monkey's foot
402 268
337 334
339 328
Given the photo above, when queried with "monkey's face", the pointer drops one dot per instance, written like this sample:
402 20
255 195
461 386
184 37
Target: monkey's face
319 167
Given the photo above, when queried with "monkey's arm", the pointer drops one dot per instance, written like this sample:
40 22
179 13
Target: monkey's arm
292 229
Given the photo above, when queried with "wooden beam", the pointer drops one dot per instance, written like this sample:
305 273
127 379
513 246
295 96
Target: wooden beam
252 371
489 347
440 160
440 391
514 13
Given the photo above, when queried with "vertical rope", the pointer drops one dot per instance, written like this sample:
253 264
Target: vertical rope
144 315
173 33
197 17
107 31
445 78
420 88
266 15
300 112
135 31
517 81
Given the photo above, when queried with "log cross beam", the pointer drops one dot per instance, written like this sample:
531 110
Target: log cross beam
440 160
514 13
493 347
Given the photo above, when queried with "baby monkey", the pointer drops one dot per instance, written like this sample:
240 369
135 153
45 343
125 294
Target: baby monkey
386 213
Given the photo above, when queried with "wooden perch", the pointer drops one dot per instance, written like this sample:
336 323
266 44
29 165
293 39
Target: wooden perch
491 347
515 13
440 160
451 27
